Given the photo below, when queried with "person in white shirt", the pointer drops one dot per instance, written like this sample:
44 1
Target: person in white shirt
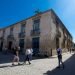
28 54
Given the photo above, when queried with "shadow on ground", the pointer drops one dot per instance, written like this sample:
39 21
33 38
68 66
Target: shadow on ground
4 66
68 70
7 58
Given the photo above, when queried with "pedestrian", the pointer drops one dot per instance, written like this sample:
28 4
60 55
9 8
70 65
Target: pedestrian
59 54
28 54
16 55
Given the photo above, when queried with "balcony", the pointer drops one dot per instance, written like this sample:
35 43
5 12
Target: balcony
58 33
35 32
11 36
65 38
1 38
21 35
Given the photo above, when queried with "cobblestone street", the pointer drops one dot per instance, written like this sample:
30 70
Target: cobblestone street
46 66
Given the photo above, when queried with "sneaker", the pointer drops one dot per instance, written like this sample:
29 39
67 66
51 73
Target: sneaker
12 64
58 67
29 63
19 64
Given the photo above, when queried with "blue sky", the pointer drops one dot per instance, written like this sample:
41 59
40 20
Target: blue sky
12 11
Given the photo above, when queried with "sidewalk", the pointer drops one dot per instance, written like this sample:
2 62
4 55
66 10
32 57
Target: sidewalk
38 66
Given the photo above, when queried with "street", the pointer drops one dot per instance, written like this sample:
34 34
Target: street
44 66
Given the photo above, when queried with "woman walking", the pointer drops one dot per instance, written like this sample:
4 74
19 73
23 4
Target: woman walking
16 55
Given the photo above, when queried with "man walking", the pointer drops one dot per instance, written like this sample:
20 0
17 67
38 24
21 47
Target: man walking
28 54
59 53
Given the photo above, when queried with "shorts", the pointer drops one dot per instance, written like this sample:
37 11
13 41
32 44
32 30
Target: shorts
16 58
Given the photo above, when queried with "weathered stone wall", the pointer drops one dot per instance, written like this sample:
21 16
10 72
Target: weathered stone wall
47 34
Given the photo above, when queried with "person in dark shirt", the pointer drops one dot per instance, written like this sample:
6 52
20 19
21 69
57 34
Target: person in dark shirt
16 55
59 54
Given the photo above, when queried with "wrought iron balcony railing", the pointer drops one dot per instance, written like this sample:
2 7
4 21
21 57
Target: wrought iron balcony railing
35 32
10 36
65 38
1 38
58 33
21 35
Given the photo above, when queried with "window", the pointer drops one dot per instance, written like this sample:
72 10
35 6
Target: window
11 30
23 28
3 32
36 24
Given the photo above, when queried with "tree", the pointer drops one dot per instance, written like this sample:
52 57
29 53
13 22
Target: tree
37 11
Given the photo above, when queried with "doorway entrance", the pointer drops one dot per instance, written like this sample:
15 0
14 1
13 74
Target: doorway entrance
9 45
21 44
1 46
35 45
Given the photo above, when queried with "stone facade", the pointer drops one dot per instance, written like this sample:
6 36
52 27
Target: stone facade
44 32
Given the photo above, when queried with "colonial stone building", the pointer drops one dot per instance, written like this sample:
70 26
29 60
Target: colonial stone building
44 32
